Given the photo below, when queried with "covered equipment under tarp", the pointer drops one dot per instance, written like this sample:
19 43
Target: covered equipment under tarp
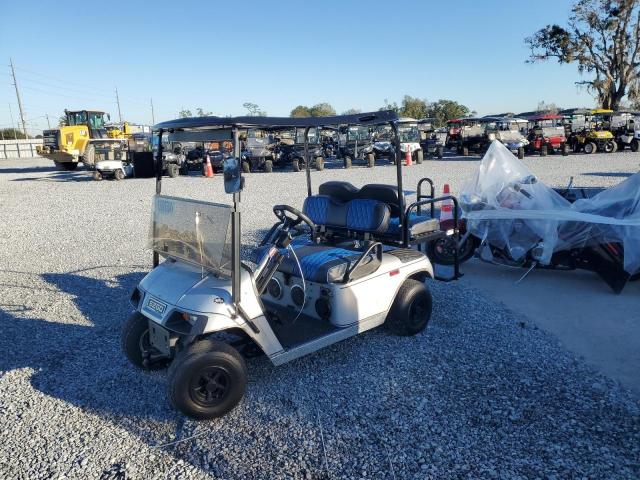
508 207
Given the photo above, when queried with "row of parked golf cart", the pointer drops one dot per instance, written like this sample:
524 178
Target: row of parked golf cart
573 130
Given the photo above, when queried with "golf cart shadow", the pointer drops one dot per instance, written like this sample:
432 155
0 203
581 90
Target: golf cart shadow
23 170
54 175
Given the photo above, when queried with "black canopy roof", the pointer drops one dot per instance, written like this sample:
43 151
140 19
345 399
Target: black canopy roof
372 118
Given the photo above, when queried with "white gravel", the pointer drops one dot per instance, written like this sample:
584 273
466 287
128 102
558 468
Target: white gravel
479 394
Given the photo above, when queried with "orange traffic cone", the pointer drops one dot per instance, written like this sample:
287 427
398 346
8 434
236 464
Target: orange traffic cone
207 170
446 210
407 157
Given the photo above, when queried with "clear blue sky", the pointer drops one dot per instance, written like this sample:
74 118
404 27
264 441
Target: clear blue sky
218 55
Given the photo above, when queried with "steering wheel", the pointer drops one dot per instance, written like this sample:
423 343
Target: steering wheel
291 217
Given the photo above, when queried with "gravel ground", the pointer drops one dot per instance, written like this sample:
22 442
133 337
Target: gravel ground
479 394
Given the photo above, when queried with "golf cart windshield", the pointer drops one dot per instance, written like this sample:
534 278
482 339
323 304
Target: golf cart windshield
408 133
193 231
313 137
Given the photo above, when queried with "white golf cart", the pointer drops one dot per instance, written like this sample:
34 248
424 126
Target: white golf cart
339 266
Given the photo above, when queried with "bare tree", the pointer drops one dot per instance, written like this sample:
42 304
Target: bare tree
603 38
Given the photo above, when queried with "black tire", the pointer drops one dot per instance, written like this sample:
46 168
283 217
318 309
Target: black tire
419 157
66 166
371 160
319 163
295 163
565 149
118 175
97 176
89 155
440 152
246 167
521 153
544 150
411 309
134 337
442 251
184 169
609 147
347 161
590 148
268 166
465 152
206 380
635 145
615 146
172 170
621 146
459 150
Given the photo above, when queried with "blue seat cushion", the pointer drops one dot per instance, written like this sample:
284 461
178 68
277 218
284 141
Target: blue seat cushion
326 264
363 215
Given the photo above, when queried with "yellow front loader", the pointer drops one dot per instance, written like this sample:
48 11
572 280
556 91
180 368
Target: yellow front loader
84 139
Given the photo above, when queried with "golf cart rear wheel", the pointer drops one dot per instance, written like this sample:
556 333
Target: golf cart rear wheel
465 152
135 340
411 309
119 175
246 167
635 145
371 160
521 153
295 163
347 161
207 379
544 150
614 146
268 166
590 148
319 163
419 157
565 149
97 176
173 170
440 152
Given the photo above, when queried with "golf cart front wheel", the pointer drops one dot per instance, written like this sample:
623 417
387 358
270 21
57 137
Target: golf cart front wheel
590 148
134 340
173 170
411 309
419 157
268 166
97 176
296 165
319 163
371 160
521 153
347 161
635 145
207 379
119 175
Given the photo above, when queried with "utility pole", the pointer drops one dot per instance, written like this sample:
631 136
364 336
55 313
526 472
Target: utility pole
118 102
15 84
15 130
48 122
153 117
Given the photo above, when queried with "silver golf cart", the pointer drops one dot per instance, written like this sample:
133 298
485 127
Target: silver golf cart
339 266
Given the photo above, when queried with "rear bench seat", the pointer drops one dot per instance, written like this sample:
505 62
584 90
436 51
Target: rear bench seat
341 205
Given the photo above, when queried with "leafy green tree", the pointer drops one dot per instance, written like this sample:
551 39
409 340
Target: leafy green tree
603 38
414 107
322 110
444 110
300 111
389 106
185 113
201 113
352 111
11 134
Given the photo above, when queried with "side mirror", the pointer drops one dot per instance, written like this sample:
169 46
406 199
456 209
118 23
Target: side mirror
231 173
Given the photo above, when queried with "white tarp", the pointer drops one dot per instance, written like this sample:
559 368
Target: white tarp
506 205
